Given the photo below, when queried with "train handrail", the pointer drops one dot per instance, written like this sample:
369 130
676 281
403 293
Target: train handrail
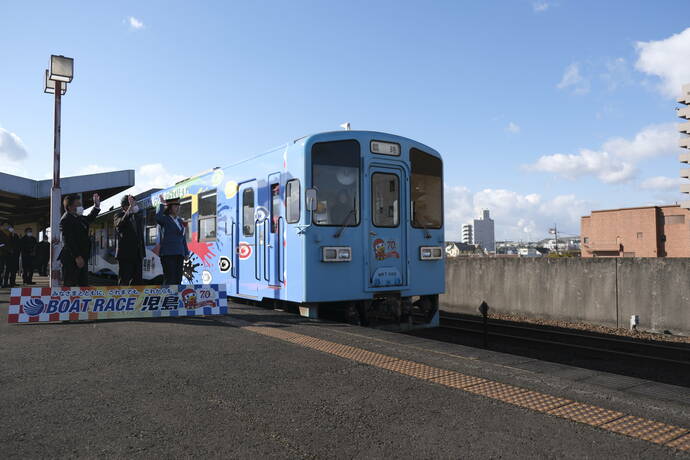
279 265
256 250
267 239
233 251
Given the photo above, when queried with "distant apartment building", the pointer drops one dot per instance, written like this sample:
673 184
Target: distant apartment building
467 236
484 232
650 231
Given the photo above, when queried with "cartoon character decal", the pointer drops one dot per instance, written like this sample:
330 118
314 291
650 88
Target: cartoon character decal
380 249
190 301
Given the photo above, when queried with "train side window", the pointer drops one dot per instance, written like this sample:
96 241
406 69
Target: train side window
207 216
292 203
385 197
248 212
151 234
185 214
275 206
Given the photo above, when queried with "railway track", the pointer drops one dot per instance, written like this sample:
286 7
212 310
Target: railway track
598 344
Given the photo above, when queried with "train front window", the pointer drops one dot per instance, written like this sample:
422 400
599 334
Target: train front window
335 176
426 190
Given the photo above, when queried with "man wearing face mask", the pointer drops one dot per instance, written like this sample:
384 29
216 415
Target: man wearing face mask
11 259
75 239
130 250
27 246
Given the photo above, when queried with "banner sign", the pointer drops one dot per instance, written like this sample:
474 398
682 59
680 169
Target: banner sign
43 304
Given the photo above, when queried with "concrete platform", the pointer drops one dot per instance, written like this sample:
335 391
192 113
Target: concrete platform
226 387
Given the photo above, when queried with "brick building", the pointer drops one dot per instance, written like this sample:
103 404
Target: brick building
650 231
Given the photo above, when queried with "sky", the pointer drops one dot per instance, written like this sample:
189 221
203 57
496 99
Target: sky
542 109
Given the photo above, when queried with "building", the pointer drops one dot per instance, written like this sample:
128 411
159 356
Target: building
467 236
650 231
459 249
684 141
563 244
484 232
528 252
26 202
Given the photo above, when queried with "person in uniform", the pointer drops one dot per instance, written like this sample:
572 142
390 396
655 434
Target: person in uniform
12 259
130 250
75 238
4 241
27 246
43 256
173 243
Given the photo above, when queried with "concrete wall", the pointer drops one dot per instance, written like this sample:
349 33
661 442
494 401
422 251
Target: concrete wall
599 291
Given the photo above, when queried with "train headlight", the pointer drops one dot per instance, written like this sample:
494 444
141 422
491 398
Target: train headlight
336 254
430 252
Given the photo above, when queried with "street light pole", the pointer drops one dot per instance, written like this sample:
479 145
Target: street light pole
61 72
55 194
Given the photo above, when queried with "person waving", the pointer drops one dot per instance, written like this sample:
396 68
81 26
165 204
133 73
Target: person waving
173 243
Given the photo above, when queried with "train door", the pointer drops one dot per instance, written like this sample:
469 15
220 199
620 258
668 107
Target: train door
274 235
247 249
386 249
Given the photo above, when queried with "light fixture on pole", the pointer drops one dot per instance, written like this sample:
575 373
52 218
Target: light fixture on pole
61 72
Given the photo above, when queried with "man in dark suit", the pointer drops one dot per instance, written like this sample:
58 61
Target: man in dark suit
27 245
75 239
130 249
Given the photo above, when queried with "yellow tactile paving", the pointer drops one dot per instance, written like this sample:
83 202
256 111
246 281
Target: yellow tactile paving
649 430
495 390
537 401
636 427
682 443
458 380
411 368
584 413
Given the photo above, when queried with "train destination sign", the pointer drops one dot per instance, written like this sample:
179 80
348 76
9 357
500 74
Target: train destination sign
43 304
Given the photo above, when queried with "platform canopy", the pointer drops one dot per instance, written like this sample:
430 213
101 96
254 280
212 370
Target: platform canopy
24 201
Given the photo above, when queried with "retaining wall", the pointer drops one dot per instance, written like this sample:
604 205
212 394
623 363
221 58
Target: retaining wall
599 291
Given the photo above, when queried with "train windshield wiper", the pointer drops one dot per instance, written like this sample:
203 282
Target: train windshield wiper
345 221
427 235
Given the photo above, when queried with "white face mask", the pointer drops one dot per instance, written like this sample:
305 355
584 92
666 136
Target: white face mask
11 229
135 209
80 210
29 234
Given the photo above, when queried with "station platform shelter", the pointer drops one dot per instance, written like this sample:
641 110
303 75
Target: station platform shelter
26 202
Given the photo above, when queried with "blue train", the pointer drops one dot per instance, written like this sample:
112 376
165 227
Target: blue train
345 220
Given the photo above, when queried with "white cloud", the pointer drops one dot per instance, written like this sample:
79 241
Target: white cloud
515 215
135 23
617 158
11 147
513 128
668 60
540 6
573 79
617 73
661 183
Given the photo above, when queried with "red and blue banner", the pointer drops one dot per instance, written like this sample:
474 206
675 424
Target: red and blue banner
43 305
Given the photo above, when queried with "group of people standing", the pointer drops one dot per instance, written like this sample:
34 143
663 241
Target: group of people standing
130 250
13 248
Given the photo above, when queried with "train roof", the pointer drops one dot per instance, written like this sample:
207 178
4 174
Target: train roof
315 137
